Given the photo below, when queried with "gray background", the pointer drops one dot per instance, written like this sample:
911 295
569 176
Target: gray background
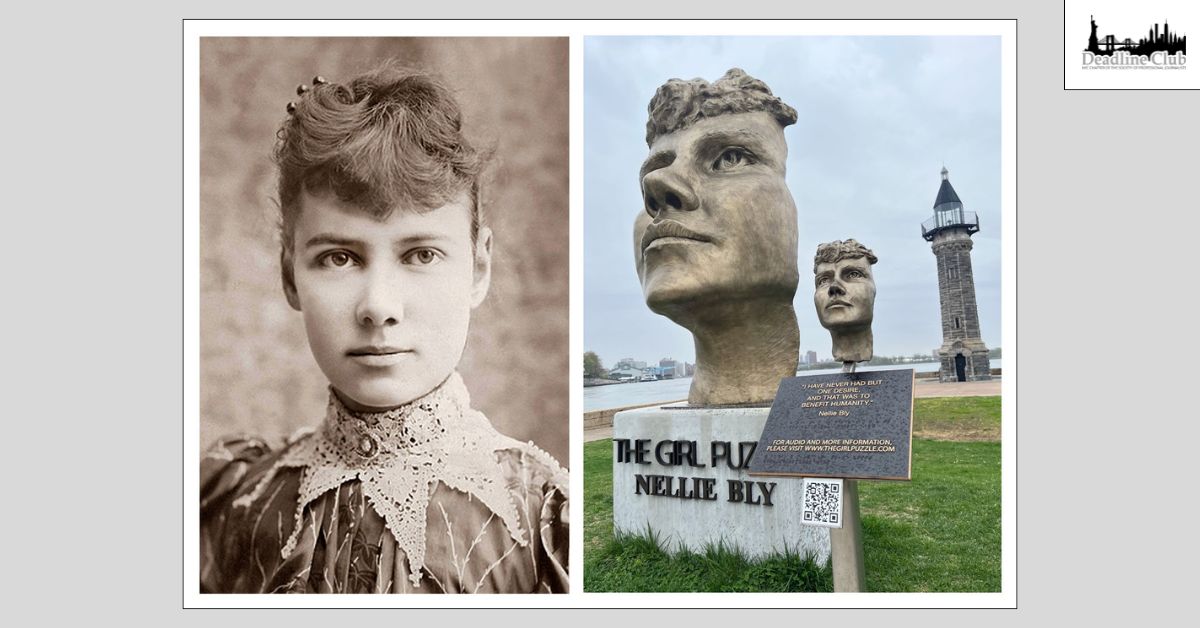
91 324
257 375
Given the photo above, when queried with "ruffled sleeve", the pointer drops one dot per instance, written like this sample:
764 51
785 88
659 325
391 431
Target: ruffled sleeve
223 471
543 491
554 527
224 467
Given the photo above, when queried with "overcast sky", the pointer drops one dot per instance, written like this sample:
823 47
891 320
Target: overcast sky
878 116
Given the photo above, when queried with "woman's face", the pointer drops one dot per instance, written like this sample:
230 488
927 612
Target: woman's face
386 302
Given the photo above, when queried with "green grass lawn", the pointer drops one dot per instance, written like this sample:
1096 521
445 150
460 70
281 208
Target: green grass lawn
939 532
957 418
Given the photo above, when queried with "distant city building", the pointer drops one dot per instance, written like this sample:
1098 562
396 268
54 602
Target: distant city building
810 357
963 355
670 369
689 369
630 363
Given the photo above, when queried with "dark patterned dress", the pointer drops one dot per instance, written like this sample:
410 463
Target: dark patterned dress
427 498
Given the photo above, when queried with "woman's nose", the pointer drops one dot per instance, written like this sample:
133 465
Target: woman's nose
665 190
381 303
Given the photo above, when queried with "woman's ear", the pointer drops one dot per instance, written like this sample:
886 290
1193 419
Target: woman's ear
482 271
287 273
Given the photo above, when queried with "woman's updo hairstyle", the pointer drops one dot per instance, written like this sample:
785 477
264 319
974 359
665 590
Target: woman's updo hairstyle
389 138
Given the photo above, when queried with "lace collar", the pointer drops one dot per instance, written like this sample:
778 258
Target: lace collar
398 456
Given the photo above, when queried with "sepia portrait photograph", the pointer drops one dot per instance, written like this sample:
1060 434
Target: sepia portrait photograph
383 314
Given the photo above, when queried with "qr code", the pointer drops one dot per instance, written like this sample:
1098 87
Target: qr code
822 505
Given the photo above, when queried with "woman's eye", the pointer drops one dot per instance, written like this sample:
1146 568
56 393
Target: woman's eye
423 257
336 259
731 158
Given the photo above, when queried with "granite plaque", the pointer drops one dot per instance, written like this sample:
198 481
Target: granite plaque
845 425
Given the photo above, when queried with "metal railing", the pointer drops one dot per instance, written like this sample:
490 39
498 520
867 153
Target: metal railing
948 219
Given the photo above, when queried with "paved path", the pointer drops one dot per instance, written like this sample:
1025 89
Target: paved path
932 388
923 388
597 433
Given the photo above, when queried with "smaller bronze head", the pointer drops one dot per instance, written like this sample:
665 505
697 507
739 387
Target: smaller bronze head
844 296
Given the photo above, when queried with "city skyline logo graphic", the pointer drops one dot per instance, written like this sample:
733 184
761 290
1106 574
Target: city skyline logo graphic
1159 50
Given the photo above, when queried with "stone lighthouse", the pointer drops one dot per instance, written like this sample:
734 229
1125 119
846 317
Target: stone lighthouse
963 355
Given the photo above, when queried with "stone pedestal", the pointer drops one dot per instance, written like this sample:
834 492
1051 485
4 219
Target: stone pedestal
681 472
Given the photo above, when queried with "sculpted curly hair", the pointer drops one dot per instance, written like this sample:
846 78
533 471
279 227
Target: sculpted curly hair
678 104
833 252
388 138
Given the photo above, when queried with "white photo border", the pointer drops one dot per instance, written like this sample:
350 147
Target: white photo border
576 30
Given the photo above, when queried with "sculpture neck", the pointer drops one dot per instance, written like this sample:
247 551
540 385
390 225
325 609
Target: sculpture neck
852 345
743 350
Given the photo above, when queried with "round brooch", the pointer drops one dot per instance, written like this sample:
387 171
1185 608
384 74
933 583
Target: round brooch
367 446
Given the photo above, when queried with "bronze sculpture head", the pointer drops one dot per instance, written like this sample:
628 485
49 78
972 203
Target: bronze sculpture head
716 244
844 296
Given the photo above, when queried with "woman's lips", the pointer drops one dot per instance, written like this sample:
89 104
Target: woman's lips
379 356
665 240
670 232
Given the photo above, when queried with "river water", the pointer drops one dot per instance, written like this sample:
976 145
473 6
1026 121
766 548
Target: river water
620 395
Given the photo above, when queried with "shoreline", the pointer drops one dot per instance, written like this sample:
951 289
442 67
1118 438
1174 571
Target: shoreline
597 424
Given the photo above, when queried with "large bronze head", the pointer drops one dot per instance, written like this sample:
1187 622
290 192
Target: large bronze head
716 243
719 221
